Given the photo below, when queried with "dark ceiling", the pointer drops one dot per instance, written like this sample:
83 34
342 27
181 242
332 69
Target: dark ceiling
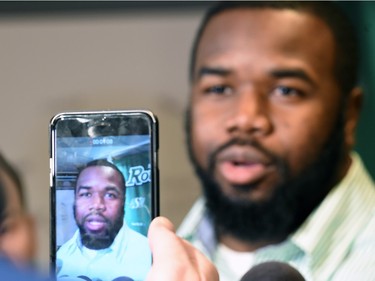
40 8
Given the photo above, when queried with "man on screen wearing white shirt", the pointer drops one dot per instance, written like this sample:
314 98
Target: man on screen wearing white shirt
103 247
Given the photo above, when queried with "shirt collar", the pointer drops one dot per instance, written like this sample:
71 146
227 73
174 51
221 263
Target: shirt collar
344 210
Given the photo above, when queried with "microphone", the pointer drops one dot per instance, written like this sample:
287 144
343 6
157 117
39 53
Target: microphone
273 271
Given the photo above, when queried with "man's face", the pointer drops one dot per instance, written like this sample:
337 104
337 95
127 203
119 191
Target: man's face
264 101
99 206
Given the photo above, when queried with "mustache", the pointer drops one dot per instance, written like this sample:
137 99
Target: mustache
98 214
241 142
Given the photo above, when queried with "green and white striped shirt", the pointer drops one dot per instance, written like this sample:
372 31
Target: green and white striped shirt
335 243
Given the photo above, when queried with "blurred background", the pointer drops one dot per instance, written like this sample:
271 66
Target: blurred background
72 56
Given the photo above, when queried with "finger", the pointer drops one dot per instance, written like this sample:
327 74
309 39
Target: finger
204 268
171 261
162 222
163 241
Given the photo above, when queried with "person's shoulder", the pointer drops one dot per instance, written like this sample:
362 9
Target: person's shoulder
9 272
136 245
136 240
135 235
67 247
367 235
360 261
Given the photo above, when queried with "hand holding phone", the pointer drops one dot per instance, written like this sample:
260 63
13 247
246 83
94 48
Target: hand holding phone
104 194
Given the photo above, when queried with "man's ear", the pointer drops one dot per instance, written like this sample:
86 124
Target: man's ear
353 110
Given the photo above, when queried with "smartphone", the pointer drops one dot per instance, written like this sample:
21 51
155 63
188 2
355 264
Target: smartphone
104 194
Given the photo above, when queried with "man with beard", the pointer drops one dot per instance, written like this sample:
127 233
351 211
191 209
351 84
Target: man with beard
271 127
103 247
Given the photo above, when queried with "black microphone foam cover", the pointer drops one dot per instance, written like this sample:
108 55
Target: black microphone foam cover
273 271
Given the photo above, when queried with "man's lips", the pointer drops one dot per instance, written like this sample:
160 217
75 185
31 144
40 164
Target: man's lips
242 165
241 173
95 223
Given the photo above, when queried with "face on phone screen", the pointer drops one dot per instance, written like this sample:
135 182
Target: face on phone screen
102 198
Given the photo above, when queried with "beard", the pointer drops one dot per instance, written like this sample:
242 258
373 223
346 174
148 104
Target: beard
292 201
102 240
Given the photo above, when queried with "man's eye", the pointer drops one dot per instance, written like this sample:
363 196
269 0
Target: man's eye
111 195
218 89
284 91
85 194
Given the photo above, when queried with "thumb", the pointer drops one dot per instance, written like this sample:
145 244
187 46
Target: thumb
161 234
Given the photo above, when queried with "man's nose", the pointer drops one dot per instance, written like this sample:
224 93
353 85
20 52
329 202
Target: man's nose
97 203
250 114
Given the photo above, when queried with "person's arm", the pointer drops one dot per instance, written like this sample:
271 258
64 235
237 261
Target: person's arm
175 259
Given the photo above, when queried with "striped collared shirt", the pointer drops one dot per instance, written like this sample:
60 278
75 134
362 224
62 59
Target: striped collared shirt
335 243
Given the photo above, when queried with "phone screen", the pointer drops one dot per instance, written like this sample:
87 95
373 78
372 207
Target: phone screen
104 194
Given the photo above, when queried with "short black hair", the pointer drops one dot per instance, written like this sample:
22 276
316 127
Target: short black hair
344 33
106 163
